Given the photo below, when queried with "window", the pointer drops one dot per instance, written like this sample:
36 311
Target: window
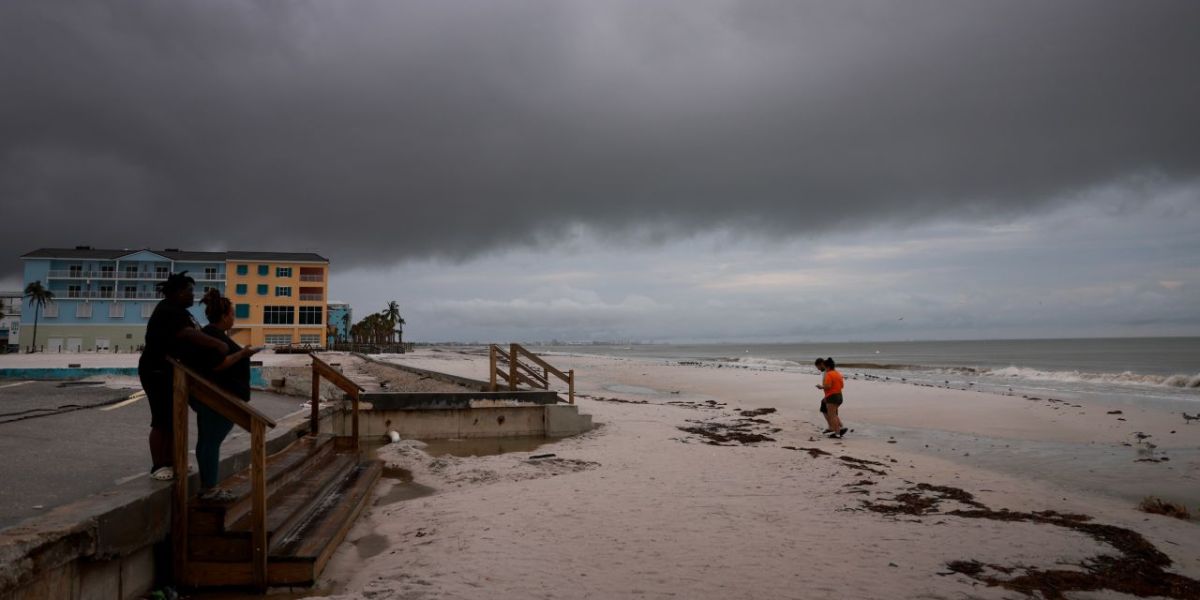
210 273
76 270
242 311
310 315
116 310
131 271
264 269
241 289
108 271
74 291
83 310
243 269
50 311
130 292
279 339
147 309
279 315
283 271
106 291
310 339
161 272
281 290
262 289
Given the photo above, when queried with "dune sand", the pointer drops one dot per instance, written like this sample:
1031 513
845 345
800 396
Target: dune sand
641 508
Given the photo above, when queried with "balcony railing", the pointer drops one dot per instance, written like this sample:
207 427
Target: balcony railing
309 277
311 297
156 276
68 274
139 275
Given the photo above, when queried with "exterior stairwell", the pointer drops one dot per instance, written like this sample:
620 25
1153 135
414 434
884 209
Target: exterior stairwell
315 489
288 511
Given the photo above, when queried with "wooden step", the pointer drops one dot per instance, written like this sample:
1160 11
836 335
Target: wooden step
283 467
298 557
286 508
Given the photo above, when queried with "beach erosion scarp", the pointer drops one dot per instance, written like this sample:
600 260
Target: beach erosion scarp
644 506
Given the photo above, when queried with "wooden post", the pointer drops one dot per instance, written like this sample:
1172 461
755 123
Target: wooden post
179 512
546 379
571 386
258 506
492 367
354 424
314 421
512 367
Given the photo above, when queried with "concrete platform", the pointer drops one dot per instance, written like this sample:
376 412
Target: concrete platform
61 443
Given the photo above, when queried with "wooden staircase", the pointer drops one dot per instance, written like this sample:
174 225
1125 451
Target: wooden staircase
315 489
298 503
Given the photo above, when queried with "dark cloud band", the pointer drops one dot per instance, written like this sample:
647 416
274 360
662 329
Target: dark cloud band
374 132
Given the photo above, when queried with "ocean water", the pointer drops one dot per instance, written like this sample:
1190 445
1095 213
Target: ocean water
1163 371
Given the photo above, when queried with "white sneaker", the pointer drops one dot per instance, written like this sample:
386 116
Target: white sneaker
163 474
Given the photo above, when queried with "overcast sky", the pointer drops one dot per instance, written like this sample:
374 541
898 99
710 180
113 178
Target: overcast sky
667 170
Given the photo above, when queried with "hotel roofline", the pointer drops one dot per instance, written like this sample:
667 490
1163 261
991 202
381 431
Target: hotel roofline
174 254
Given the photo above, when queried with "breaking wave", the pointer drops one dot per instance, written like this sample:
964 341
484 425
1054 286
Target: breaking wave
764 362
1124 378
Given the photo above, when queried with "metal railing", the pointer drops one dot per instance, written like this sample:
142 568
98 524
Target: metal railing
518 372
304 277
69 274
311 297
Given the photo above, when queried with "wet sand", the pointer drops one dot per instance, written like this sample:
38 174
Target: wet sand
690 489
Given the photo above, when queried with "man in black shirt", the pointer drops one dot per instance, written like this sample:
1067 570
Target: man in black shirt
172 331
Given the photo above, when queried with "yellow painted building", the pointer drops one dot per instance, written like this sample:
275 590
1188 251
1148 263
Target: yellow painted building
279 298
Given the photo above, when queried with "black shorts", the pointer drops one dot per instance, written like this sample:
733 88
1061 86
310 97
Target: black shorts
160 390
834 399
823 408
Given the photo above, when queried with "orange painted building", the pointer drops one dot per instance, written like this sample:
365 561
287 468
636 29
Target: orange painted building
278 297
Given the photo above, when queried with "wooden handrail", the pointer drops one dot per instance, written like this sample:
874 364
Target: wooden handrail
321 369
189 384
496 355
541 363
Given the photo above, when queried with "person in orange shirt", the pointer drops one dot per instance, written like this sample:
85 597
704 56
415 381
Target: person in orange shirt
832 384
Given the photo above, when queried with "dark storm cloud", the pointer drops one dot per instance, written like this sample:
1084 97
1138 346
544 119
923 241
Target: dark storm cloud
377 131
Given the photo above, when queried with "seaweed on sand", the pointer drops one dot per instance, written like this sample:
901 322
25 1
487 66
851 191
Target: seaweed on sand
1136 569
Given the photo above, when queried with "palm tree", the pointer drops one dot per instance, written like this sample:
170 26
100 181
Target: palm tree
38 297
392 314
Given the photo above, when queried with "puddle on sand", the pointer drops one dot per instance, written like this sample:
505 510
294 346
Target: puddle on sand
631 389
371 544
485 446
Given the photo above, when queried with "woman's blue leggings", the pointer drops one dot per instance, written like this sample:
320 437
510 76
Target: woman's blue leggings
211 431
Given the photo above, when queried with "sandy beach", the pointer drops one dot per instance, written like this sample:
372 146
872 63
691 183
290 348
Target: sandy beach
693 487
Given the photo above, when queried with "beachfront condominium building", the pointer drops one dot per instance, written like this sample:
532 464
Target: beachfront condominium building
103 298
10 320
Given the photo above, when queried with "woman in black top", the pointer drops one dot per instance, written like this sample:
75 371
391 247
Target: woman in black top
231 371
172 332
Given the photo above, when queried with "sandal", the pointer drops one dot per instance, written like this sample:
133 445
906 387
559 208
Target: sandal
218 495
163 474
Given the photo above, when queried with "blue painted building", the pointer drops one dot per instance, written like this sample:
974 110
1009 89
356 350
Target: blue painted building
340 317
103 298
